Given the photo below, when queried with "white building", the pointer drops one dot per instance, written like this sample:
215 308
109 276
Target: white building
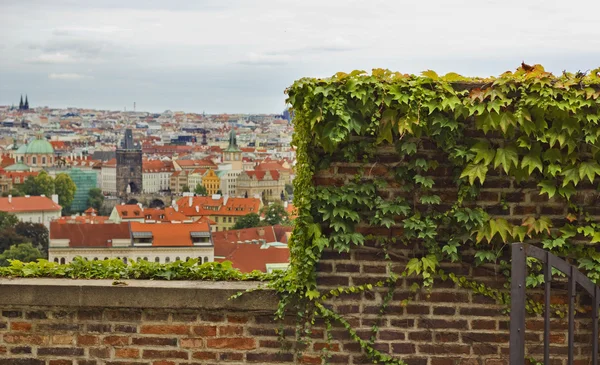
34 209
228 178
156 175
127 241
108 175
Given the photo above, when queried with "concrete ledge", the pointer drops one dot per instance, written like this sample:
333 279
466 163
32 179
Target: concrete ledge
135 294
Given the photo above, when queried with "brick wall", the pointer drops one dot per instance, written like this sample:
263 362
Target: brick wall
448 325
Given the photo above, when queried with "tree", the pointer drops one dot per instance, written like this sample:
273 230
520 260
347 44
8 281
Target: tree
200 190
13 192
38 185
24 252
247 221
7 220
36 233
9 237
65 188
95 198
185 189
275 214
289 189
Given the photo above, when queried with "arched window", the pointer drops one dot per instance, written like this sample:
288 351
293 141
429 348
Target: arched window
95 259
205 259
187 258
145 258
177 258
106 258
34 160
156 259
167 259
62 260
56 260
44 161
124 260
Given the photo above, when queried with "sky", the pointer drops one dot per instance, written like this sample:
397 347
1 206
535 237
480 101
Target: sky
238 56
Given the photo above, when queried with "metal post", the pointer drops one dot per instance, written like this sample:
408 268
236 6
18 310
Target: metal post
571 290
517 304
595 338
547 286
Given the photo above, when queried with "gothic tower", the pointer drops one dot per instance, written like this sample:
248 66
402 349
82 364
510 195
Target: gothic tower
26 105
129 166
21 103
232 154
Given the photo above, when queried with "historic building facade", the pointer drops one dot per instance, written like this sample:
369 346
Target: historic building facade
129 166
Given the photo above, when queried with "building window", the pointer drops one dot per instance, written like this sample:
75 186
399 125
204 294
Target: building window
124 260
156 259
62 260
187 258
34 160
177 258
205 259
95 259
56 260
168 259
44 160
145 259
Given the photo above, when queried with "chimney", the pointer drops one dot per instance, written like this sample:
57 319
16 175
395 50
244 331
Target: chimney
261 232
190 201
10 198
238 233
55 198
197 209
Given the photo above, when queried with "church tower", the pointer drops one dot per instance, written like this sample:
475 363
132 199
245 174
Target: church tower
21 103
129 166
26 105
232 154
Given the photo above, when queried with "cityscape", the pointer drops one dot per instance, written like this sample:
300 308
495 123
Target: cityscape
160 187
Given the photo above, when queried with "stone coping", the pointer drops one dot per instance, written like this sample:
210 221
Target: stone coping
134 294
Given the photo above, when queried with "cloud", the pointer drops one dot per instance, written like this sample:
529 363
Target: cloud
56 57
70 31
266 59
67 76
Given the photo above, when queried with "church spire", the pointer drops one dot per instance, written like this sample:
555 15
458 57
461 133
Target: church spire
21 103
26 106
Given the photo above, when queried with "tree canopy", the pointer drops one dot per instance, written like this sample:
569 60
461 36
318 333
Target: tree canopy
24 252
275 214
95 198
247 221
65 188
200 190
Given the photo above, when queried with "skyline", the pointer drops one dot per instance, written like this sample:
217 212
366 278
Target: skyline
238 57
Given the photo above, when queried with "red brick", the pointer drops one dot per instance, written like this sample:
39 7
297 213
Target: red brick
191 343
127 353
164 329
62 339
231 356
483 325
116 340
60 362
101 352
444 349
205 331
20 326
239 343
163 362
313 360
87 340
203 355
231 331
236 319
334 347
154 341
164 354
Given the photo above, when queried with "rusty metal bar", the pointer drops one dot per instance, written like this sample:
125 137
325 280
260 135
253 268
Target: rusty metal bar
595 338
517 304
571 293
547 289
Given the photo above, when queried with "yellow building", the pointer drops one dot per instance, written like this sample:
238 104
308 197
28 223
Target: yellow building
211 182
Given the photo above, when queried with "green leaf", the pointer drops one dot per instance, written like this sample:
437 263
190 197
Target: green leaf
410 148
483 152
547 187
431 199
414 265
571 174
532 161
430 262
424 181
506 157
589 169
500 226
475 171
431 74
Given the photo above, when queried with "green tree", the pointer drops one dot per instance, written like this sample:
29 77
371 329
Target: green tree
200 190
7 220
38 185
65 188
247 221
9 237
13 192
275 214
289 189
95 198
185 189
24 252
36 233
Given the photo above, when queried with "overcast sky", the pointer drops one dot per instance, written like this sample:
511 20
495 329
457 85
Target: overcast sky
238 56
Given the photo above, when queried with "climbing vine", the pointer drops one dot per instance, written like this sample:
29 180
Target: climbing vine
451 137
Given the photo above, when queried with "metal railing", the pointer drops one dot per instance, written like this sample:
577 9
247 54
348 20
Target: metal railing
520 252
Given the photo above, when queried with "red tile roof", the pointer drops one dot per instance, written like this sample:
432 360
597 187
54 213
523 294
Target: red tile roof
249 256
129 211
206 164
168 214
207 206
157 166
89 235
260 175
28 204
170 234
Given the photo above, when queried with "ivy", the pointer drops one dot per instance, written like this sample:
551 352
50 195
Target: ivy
523 127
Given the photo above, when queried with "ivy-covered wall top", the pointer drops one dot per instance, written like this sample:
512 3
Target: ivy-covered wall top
537 131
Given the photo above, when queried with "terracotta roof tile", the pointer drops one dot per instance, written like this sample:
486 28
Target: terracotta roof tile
89 235
170 234
28 204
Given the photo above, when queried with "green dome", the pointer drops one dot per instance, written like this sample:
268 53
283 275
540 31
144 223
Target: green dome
17 167
22 149
39 147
